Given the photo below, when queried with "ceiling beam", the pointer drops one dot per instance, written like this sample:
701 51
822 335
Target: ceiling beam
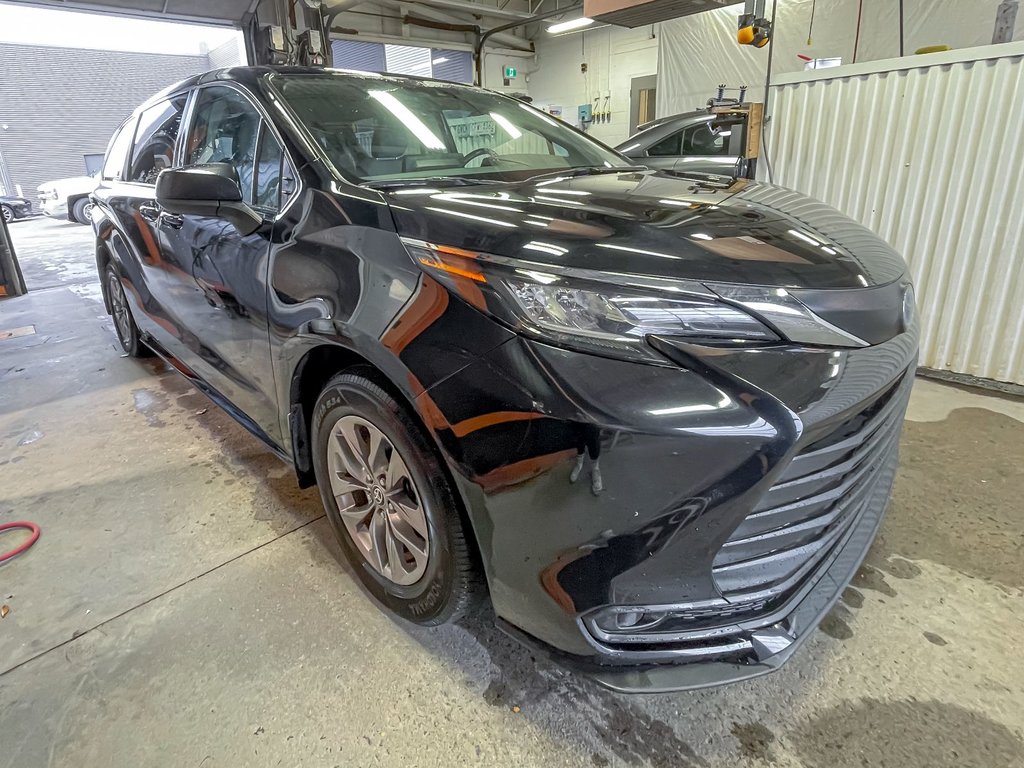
477 9
436 14
423 42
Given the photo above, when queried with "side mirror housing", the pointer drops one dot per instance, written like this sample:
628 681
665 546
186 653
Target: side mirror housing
206 190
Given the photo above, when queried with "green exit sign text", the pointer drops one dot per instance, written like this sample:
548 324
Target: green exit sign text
511 72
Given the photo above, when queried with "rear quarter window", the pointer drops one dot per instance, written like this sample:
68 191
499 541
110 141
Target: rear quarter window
117 151
155 140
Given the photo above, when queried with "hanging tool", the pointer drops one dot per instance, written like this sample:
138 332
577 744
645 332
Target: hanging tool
754 29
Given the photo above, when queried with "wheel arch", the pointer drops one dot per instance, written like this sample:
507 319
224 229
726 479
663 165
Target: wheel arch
318 366
314 369
103 258
71 200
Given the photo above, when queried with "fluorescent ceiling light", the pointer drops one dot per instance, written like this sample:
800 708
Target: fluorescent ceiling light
802 236
471 216
637 250
554 250
565 26
413 123
441 60
540 277
505 123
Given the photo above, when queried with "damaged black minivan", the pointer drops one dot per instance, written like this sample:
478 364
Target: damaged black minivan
655 417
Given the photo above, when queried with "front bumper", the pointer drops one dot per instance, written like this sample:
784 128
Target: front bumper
55 208
738 494
20 210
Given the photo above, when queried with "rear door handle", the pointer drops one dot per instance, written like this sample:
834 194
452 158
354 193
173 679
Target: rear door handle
149 211
171 220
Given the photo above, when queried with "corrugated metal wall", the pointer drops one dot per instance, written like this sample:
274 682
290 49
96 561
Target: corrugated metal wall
229 54
927 152
60 104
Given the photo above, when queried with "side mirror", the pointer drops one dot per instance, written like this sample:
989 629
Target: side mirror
206 190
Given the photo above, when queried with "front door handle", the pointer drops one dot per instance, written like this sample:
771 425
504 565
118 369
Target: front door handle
171 220
149 211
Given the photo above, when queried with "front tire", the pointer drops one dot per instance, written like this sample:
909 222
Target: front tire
124 324
82 210
389 502
7 212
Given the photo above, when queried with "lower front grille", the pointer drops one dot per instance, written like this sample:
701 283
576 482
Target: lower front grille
808 509
781 548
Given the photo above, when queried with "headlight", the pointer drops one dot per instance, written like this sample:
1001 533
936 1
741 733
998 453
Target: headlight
585 310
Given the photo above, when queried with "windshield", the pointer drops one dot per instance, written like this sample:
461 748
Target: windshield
379 129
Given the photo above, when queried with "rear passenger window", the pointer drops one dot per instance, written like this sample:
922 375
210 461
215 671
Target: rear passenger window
117 151
700 140
155 140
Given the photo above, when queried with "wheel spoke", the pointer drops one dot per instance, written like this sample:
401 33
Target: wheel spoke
357 449
352 513
411 541
350 460
410 512
396 563
340 468
375 458
397 472
378 543
342 484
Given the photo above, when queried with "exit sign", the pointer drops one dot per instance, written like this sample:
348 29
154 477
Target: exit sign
511 72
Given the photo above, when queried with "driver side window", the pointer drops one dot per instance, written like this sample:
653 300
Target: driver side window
225 129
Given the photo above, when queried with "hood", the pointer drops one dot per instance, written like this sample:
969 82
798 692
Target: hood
84 183
656 224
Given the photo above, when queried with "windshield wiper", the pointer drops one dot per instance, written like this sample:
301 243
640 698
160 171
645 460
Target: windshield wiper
589 170
429 181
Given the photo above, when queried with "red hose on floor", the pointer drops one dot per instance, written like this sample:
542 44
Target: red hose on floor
25 545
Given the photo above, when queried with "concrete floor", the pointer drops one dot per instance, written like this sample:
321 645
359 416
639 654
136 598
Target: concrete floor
186 606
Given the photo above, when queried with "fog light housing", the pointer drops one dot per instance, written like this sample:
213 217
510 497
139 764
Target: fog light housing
626 620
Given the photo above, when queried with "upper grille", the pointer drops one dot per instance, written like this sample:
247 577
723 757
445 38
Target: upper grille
809 508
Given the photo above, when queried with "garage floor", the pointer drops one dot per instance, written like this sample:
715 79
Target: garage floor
186 606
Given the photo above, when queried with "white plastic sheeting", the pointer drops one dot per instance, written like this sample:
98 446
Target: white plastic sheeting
927 152
699 52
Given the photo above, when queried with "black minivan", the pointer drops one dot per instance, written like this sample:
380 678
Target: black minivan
655 417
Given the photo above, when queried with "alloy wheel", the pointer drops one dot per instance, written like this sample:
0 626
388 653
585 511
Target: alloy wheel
8 214
119 305
377 500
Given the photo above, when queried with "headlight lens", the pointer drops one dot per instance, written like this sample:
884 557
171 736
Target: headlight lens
558 306
612 313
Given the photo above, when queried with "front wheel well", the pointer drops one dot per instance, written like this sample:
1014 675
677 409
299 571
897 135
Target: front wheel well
319 366
72 201
102 260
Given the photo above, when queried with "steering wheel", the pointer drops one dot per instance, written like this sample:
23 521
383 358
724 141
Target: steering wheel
478 152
